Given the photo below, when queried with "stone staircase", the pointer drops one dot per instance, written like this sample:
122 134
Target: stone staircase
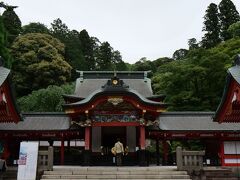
213 173
110 173
10 174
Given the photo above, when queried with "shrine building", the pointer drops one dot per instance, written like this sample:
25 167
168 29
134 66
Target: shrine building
107 105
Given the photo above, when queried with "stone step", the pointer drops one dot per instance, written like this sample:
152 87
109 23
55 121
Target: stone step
219 174
119 173
222 178
98 172
115 176
119 179
104 168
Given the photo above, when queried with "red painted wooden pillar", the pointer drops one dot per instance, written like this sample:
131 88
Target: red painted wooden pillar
6 151
62 152
87 138
221 153
165 151
142 139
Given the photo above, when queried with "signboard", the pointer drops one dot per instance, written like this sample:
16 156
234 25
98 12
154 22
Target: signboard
109 116
27 163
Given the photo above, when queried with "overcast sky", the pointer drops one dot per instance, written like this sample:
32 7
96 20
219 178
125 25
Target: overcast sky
137 28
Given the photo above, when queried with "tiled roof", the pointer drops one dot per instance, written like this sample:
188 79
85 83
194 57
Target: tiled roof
235 72
193 121
88 86
4 72
39 121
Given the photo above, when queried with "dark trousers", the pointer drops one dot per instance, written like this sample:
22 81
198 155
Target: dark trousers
119 159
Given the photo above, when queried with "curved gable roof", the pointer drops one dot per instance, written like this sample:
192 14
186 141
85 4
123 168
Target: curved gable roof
4 72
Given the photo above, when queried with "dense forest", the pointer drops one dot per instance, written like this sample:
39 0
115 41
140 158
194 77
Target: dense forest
44 60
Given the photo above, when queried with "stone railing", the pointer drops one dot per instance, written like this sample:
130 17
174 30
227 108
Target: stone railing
189 160
45 159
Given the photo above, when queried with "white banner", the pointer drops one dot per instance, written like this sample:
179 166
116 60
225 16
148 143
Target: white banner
27 163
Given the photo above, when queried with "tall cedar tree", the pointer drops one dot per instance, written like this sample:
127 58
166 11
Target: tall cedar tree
73 52
228 16
118 63
87 48
104 57
211 26
12 24
4 53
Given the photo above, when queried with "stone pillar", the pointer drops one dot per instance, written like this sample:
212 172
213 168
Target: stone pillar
62 152
50 158
179 158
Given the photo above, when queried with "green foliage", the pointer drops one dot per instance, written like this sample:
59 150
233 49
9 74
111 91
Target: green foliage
73 51
146 65
118 62
104 57
12 24
87 47
192 44
4 52
196 82
234 29
143 65
39 62
35 28
59 30
180 54
228 16
45 100
212 27
192 145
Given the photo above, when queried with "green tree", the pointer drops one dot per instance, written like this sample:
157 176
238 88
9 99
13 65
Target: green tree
73 52
192 43
197 81
118 62
143 65
45 100
59 30
12 23
87 47
39 62
35 28
228 16
234 29
180 54
72 43
4 52
211 27
104 57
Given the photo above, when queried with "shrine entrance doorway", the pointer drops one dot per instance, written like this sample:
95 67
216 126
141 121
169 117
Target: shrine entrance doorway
111 134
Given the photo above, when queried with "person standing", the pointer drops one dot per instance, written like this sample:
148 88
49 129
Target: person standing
119 152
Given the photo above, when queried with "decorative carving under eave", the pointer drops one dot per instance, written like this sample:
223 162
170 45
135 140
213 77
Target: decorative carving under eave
85 123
